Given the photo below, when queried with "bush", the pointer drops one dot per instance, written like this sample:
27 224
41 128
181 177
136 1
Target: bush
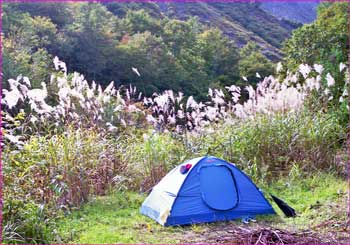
269 146
54 172
265 147
150 155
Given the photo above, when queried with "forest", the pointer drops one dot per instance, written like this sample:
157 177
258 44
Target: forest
100 101
182 55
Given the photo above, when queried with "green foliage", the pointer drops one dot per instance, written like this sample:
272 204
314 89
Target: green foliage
321 42
219 54
93 31
317 198
26 48
179 34
156 65
114 219
50 175
150 156
265 148
141 21
59 13
248 18
252 62
169 53
269 146
27 222
121 9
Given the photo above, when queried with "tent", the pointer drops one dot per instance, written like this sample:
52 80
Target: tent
204 189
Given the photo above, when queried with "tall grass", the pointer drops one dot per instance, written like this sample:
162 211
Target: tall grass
74 140
269 146
150 155
51 174
275 144
265 148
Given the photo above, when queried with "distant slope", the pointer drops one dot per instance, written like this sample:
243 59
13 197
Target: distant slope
302 12
242 22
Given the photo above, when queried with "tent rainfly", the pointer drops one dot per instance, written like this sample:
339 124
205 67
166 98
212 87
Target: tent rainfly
204 189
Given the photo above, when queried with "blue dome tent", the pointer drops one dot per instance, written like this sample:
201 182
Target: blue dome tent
204 189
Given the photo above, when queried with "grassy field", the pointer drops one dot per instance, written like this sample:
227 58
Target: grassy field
319 201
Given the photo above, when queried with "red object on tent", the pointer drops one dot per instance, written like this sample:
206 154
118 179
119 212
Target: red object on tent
184 168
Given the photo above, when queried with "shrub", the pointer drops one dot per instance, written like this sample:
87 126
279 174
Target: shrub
150 155
55 172
269 146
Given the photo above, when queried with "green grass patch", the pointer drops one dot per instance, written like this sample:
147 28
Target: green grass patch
316 198
116 219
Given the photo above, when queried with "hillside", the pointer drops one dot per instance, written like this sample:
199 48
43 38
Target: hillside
241 22
186 47
302 12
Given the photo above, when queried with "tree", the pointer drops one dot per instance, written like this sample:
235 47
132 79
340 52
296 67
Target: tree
90 40
220 56
324 42
180 34
253 62
150 56
59 13
25 49
169 53
36 66
140 21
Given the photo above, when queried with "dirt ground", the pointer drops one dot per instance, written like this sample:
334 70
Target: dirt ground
263 234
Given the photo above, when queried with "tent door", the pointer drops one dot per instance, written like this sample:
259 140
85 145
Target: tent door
218 187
